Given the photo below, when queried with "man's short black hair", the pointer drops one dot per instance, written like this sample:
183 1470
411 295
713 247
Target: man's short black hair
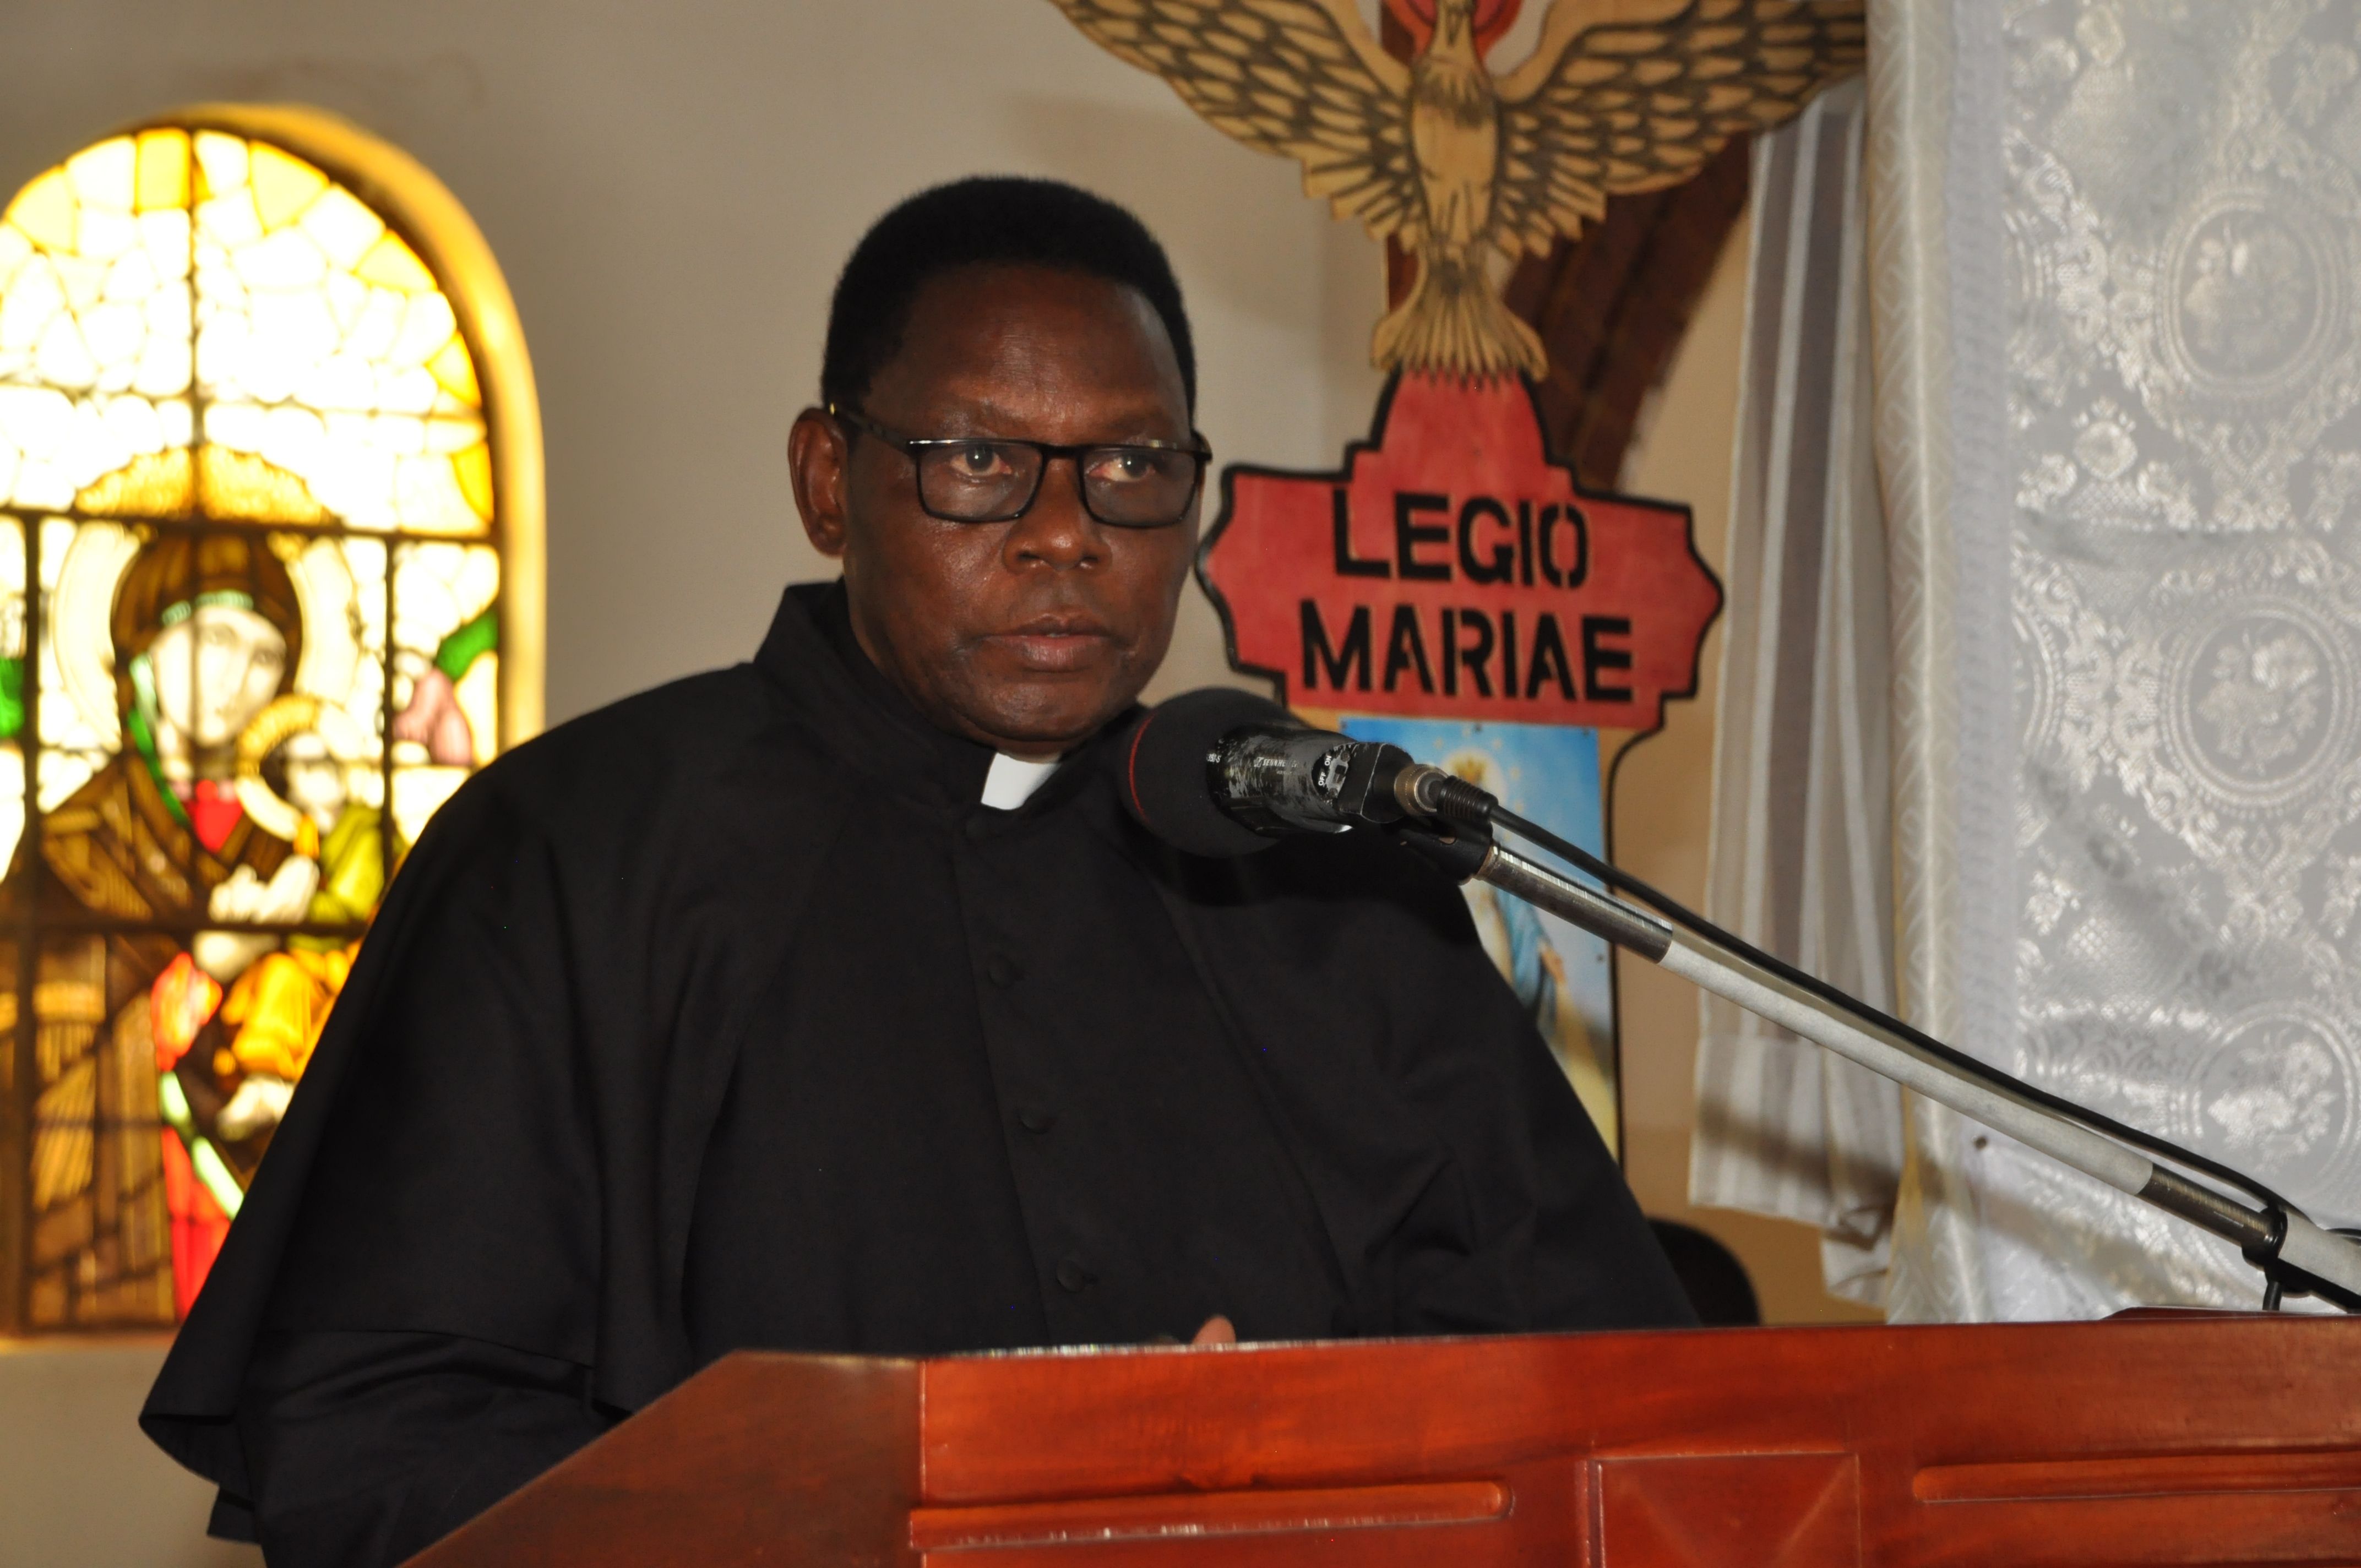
990 220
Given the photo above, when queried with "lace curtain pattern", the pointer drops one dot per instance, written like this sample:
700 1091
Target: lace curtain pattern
2113 253
2182 212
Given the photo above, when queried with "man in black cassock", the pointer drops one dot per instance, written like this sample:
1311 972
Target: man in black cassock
831 1001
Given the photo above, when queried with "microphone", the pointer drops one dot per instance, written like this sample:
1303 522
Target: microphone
1222 772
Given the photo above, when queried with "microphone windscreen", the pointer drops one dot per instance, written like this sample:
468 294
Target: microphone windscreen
1162 775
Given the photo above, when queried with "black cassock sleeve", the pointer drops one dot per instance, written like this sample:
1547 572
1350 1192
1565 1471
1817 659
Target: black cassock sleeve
367 1448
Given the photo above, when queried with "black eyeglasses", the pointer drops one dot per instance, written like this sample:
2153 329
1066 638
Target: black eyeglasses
961 479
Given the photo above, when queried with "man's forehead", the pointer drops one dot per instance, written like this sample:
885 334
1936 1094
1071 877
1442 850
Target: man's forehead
1010 406
1087 355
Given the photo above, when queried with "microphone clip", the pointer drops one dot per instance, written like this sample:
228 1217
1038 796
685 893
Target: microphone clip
1458 851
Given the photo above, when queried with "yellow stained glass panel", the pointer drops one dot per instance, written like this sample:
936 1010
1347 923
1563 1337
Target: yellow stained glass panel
44 212
478 695
163 182
283 186
391 264
154 484
239 487
453 366
474 469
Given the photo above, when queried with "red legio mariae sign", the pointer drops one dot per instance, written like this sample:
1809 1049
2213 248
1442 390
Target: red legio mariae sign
1450 570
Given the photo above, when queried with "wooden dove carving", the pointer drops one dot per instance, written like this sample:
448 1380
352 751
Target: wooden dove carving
1459 164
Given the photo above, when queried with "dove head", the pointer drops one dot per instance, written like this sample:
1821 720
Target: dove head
1027 633
1455 29
1486 22
1451 66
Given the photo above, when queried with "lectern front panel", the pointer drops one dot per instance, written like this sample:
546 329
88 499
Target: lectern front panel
2177 1439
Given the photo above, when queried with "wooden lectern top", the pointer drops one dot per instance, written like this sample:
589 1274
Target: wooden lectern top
2180 1438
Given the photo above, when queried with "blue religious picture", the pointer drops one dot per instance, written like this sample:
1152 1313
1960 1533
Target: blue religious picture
1548 774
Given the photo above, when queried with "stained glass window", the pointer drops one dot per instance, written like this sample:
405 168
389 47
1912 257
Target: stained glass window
254 511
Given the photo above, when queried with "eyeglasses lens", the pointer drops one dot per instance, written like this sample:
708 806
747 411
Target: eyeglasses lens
979 481
1138 487
991 481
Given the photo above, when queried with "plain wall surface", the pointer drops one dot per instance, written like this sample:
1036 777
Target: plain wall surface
79 1486
670 189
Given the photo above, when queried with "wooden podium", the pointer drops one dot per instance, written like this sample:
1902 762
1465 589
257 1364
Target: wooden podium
2152 1439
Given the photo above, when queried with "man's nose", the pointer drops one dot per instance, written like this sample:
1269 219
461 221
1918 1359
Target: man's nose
1057 531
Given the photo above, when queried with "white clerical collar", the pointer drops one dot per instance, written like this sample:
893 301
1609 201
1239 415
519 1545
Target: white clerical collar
1013 779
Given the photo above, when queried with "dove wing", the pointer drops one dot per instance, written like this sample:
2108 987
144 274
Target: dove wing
1625 95
1301 78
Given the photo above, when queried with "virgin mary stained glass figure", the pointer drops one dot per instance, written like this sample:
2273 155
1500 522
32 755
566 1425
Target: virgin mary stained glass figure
206 631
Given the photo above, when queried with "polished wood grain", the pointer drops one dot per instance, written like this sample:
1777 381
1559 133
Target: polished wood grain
2164 1440
2332 1470
1208 1514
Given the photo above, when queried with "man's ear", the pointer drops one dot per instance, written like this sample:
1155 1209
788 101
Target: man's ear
819 464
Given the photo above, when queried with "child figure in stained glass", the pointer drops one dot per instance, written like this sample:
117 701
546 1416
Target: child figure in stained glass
295 781
294 777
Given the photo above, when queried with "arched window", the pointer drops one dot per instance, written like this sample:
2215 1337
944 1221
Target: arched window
270 586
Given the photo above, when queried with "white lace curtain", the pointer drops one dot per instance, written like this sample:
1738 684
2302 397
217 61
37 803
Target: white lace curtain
2113 254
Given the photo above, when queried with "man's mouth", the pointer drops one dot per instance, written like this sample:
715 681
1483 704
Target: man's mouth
1052 643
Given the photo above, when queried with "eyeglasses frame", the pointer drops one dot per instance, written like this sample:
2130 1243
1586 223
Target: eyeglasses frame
911 446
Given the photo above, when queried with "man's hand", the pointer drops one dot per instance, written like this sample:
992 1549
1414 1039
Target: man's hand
1218 1329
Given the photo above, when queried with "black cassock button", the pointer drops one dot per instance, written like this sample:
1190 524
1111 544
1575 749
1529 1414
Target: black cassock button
1002 972
1036 1118
1074 1276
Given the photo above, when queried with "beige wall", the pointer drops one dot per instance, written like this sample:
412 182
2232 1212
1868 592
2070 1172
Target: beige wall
79 1486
